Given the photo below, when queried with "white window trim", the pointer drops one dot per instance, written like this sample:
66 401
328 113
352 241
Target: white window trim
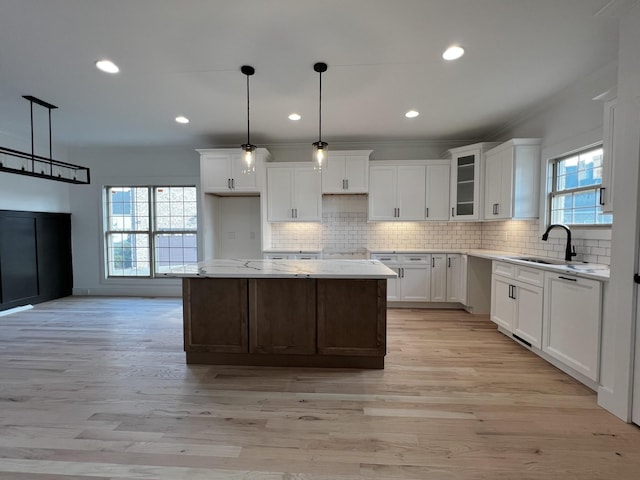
141 281
550 153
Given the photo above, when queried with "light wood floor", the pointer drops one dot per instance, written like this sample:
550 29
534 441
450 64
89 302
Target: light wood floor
97 388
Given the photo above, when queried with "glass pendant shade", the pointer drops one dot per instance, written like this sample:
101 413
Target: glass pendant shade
320 151
249 165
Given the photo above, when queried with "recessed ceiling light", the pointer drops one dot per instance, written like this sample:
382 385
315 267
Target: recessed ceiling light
295 117
453 52
107 66
182 119
412 114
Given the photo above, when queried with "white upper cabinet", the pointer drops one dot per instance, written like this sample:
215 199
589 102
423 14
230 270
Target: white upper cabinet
293 193
409 191
346 172
396 193
437 194
512 180
609 155
222 171
467 182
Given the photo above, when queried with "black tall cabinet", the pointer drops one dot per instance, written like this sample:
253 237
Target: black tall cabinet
35 257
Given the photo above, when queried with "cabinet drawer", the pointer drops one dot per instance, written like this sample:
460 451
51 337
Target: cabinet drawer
414 259
504 269
385 258
532 276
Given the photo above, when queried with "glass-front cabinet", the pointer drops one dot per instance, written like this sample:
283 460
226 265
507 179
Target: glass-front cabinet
467 181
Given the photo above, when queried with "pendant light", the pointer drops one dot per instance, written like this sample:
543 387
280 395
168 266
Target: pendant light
248 148
320 148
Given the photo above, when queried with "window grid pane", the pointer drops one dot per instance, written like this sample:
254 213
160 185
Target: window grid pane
128 255
175 249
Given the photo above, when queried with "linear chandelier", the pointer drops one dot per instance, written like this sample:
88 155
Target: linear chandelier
32 165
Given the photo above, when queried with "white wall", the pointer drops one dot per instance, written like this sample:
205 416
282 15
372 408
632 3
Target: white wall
19 192
120 166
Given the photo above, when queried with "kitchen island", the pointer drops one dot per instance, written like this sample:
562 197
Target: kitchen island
310 313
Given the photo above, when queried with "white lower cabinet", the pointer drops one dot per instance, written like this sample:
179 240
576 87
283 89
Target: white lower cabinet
437 277
572 319
558 314
456 278
517 301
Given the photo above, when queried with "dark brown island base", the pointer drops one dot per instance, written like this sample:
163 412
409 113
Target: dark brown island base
307 313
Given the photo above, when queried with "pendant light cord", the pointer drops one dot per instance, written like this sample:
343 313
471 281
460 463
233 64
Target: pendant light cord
320 112
248 129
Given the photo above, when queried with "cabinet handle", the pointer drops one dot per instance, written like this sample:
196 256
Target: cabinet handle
385 258
567 278
601 201
453 211
233 183
513 291
449 262
509 294
414 259
433 262
398 212
426 212
402 272
347 180
343 183
229 183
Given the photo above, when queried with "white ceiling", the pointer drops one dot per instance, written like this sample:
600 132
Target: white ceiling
384 57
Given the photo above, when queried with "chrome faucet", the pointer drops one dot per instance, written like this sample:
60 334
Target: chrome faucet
569 252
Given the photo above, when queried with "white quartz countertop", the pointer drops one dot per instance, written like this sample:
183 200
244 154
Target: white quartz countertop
356 269
594 271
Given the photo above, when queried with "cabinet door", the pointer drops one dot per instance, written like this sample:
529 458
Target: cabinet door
382 193
465 192
349 322
307 202
357 173
411 193
333 174
393 285
437 192
280 194
215 173
439 277
456 278
527 323
502 305
215 315
571 322
241 180
492 186
415 283
284 324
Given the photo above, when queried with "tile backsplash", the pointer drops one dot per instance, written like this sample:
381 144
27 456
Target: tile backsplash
344 228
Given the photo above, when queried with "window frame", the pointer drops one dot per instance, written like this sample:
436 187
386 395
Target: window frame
553 187
152 232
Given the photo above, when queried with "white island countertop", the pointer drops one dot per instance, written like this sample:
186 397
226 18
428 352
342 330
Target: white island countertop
355 269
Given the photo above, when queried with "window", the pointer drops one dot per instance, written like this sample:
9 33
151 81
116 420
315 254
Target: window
150 229
575 189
